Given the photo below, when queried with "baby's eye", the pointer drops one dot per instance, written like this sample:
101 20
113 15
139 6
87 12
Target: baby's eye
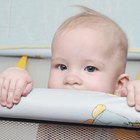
90 68
62 67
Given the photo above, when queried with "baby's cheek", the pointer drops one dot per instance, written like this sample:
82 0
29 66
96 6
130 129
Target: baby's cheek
54 83
51 84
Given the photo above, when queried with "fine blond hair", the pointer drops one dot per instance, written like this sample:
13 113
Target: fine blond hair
92 19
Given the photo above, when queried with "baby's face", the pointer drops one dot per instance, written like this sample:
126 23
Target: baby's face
81 60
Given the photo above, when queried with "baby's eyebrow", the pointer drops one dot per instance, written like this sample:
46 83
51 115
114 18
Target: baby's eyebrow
95 61
58 59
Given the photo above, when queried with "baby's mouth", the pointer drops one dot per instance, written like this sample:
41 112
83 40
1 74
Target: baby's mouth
77 87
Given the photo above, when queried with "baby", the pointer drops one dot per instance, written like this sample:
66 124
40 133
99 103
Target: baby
89 52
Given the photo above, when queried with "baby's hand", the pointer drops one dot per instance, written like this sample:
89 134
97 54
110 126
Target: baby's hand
14 83
132 91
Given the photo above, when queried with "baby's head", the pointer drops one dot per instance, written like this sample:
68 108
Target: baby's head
89 52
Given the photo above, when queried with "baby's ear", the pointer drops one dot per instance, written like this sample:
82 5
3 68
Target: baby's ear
121 84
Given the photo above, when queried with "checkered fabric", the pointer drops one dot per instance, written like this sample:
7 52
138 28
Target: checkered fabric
33 130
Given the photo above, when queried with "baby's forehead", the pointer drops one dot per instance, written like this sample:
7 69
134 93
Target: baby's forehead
97 36
109 32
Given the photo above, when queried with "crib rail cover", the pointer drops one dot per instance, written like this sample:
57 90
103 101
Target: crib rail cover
75 106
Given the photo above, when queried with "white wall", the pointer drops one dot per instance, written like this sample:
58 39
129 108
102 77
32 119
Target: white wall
35 21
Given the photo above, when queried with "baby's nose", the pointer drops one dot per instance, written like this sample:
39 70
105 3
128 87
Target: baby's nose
72 80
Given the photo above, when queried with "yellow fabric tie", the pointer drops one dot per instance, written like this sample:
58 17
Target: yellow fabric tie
22 63
138 76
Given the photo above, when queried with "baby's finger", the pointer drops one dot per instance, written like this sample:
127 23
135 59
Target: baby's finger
131 95
28 89
137 99
4 92
1 83
20 86
11 92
